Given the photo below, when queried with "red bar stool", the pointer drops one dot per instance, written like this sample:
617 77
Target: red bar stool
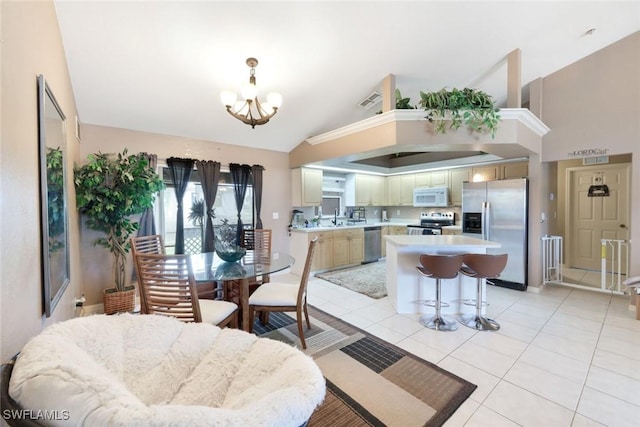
439 267
482 266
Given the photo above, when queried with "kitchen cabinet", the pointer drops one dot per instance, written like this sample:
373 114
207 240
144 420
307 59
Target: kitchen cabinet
389 230
306 187
432 179
400 190
485 173
456 178
383 241
323 256
451 230
514 170
348 247
365 190
397 230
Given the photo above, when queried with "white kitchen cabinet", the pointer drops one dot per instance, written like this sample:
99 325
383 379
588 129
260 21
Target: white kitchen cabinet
306 187
365 190
400 190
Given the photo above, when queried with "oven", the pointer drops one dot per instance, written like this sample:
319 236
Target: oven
431 223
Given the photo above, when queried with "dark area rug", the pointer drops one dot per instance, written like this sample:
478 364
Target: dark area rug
367 279
370 382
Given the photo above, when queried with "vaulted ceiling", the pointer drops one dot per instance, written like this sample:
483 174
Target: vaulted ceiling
160 66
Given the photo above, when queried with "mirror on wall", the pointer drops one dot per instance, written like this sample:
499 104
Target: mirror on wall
53 194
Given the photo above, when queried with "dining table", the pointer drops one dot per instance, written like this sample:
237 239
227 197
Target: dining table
209 269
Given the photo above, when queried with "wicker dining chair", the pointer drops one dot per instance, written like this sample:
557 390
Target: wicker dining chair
168 287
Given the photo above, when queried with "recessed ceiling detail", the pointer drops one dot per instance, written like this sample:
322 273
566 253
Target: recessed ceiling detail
403 159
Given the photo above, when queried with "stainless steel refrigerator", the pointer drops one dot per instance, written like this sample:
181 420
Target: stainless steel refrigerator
497 211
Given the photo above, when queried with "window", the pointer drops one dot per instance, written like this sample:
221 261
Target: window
224 208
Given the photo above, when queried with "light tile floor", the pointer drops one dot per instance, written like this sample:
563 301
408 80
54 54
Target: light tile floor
563 357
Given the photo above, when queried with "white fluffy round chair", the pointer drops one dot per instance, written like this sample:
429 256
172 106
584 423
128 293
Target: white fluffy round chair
152 370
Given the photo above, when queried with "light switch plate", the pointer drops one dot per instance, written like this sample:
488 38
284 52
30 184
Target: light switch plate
276 215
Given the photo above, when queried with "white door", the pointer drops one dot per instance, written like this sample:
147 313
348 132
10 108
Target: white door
593 218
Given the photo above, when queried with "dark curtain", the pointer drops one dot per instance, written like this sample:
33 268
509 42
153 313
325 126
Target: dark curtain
240 179
256 173
180 170
209 178
147 222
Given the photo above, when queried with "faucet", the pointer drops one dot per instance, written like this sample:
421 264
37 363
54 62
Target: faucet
335 217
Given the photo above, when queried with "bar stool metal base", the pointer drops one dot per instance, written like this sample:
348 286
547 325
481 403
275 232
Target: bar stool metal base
439 323
479 323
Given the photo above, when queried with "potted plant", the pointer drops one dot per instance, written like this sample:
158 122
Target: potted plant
469 107
196 216
110 188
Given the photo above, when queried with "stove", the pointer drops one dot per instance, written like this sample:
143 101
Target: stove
432 223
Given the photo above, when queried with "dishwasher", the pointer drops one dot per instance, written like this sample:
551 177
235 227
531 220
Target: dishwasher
372 244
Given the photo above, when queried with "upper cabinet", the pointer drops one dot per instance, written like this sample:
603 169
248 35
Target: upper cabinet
500 171
306 187
400 190
456 178
365 190
432 179
485 173
514 170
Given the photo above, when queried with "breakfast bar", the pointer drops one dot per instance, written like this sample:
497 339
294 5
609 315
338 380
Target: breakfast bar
407 289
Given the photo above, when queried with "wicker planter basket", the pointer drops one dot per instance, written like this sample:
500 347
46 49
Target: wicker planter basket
119 301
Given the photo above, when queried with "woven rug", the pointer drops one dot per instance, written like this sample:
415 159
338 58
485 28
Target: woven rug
367 279
370 382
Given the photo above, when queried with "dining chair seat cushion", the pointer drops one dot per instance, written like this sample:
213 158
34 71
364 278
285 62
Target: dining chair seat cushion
216 311
151 370
275 294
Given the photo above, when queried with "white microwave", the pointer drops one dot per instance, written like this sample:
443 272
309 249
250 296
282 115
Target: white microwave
431 197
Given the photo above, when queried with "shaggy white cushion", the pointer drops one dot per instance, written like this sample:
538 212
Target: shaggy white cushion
154 370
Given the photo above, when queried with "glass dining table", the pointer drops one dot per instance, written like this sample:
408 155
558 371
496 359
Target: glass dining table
209 268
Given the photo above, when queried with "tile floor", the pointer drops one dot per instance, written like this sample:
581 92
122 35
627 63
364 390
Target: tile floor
563 357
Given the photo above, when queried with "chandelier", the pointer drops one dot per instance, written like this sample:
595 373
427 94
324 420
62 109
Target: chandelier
249 110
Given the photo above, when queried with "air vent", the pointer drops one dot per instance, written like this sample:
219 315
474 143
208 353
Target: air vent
371 100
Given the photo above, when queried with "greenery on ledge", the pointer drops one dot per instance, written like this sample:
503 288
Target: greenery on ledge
455 108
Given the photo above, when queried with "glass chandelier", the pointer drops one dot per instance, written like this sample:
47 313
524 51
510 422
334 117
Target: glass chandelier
249 110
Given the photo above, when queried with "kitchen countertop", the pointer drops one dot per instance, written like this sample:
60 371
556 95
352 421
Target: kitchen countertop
350 226
439 241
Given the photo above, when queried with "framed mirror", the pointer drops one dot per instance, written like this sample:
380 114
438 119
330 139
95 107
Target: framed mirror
53 197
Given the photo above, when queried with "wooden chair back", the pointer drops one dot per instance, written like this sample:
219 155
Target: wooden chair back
304 280
257 241
153 244
168 286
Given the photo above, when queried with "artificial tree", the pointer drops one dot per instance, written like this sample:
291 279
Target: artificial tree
110 188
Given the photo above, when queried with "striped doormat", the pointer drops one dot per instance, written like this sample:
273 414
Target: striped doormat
370 382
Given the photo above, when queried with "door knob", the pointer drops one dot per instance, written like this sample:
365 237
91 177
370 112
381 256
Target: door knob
623 226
